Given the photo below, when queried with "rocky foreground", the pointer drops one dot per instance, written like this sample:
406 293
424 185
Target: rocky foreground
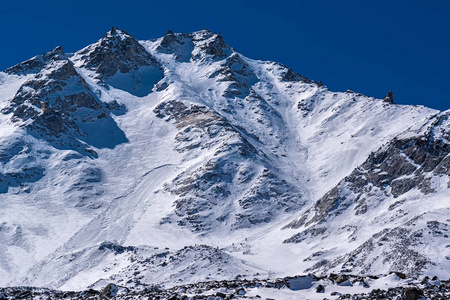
392 286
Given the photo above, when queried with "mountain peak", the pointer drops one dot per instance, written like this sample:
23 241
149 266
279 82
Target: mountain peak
205 34
211 44
169 38
116 51
117 33
57 51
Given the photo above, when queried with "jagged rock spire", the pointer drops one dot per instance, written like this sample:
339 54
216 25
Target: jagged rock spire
389 98
168 39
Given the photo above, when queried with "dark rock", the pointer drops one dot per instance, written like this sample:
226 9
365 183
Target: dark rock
341 278
309 232
58 106
117 51
109 291
399 167
400 275
320 289
211 44
221 295
412 293
168 39
117 249
36 64
290 75
389 98
425 280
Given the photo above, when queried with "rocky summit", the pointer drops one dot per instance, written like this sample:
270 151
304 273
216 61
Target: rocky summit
177 167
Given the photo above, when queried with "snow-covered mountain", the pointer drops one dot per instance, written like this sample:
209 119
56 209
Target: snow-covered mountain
179 160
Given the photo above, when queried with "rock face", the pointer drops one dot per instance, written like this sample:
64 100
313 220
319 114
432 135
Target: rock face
403 166
58 105
34 65
209 44
395 169
117 51
120 61
236 171
132 164
389 98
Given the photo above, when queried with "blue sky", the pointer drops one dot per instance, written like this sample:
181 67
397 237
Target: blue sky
369 46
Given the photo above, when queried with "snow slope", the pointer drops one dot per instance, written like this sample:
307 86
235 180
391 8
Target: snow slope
180 160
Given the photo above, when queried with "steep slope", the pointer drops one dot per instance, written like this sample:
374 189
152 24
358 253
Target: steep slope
236 166
402 189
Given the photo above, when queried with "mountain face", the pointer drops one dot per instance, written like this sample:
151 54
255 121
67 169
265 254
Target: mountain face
179 160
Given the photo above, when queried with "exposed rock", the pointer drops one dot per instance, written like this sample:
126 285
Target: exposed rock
57 105
236 71
117 51
398 168
37 63
229 289
341 278
262 194
389 98
412 293
400 275
290 75
109 291
310 232
209 44
402 258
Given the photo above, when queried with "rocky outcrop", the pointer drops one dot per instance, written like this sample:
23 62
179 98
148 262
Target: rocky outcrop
209 45
58 106
197 46
389 98
238 73
402 256
117 51
291 75
121 62
178 44
235 178
409 163
35 64
404 164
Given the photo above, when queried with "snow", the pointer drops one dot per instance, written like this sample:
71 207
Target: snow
51 228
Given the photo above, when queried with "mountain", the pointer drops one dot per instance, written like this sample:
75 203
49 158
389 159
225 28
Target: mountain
179 160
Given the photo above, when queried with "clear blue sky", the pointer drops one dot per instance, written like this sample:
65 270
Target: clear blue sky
369 46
